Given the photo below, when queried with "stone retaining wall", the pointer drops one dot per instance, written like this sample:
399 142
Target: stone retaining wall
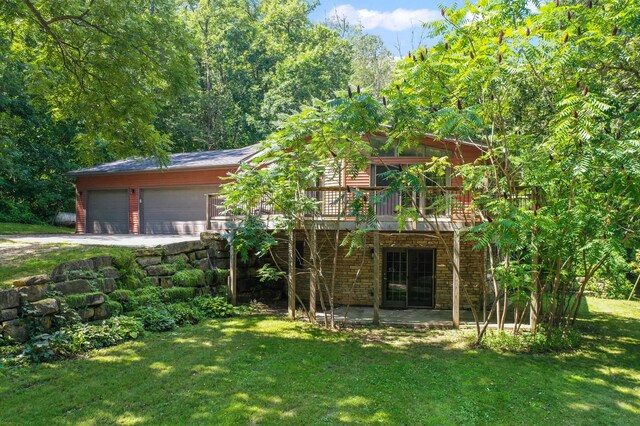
34 303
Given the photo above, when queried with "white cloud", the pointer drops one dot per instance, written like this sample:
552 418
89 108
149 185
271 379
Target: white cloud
396 20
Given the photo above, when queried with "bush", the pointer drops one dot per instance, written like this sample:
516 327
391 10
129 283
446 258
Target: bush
213 307
180 265
80 300
532 342
113 307
125 327
185 313
178 294
82 337
131 275
220 277
156 318
121 295
189 278
143 297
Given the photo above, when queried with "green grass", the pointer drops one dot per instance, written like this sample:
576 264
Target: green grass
7 228
266 370
42 258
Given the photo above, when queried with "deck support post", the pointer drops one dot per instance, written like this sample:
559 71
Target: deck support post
292 275
456 279
313 276
233 273
376 278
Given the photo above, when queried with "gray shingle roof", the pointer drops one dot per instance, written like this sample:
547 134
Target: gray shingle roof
187 160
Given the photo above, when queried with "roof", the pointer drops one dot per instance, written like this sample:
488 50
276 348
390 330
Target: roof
182 161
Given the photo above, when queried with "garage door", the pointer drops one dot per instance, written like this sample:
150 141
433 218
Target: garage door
178 210
108 212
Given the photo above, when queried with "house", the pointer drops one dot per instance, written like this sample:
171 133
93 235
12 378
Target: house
423 266
139 197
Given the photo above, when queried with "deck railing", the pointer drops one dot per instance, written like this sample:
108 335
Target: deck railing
348 202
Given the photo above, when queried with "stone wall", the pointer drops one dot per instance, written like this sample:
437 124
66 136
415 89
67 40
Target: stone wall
356 288
159 263
34 303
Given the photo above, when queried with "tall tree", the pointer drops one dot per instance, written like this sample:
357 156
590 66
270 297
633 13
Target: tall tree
109 65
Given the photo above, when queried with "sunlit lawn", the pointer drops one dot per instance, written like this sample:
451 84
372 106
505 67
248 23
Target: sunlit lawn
7 228
266 370
34 259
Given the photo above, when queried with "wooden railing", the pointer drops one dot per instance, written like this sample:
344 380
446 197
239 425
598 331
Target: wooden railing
349 202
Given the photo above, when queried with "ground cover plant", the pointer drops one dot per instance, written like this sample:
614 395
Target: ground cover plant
262 369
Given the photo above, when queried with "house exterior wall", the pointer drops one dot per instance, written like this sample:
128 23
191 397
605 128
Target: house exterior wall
136 181
459 155
354 274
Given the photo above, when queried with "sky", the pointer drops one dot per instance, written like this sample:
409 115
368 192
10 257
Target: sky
398 23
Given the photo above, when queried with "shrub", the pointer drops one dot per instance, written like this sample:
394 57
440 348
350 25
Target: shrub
131 275
185 313
178 294
189 278
80 300
121 295
220 277
180 265
213 307
125 327
113 307
146 296
156 318
532 342
48 347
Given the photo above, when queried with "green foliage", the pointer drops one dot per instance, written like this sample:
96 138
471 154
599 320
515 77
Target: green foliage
144 297
180 265
185 313
155 318
178 294
81 338
220 277
538 342
80 300
213 307
189 278
131 275
113 307
121 295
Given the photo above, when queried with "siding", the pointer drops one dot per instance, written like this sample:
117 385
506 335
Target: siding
134 182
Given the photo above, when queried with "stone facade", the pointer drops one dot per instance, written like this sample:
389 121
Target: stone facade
354 273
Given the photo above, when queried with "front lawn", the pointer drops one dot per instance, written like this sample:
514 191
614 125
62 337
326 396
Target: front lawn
266 370
7 228
20 260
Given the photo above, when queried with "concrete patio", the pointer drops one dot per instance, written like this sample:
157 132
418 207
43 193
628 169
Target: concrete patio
426 318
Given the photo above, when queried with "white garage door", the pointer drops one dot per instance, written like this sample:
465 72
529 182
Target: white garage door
177 210
108 212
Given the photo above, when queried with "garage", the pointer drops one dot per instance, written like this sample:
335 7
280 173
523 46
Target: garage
175 210
108 211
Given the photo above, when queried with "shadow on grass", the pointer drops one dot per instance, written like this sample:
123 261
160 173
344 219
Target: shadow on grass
265 370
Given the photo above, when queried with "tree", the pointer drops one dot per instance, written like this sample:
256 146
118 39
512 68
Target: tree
108 65
372 63
553 95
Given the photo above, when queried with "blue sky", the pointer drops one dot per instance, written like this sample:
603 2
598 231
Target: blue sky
398 23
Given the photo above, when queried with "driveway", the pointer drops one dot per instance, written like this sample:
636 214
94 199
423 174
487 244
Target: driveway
100 240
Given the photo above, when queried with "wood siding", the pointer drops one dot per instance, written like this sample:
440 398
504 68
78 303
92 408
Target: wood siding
136 181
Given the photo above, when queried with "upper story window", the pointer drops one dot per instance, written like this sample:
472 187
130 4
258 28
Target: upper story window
418 151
